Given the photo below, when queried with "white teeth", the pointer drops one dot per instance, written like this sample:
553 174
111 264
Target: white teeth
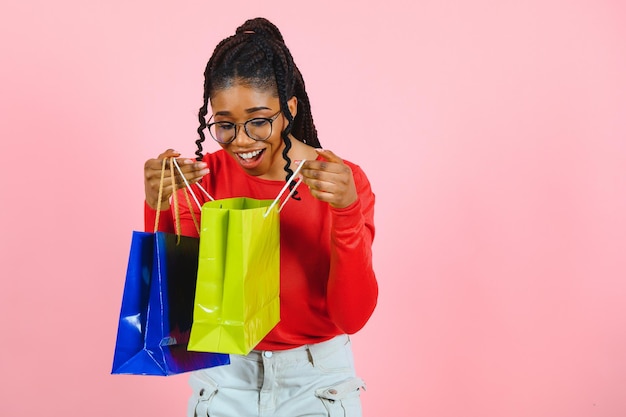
249 155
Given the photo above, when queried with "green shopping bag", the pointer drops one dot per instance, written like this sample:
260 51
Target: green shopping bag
237 298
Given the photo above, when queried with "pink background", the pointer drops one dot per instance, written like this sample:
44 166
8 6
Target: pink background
494 135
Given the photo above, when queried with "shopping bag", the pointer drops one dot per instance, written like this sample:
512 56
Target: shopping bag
157 308
237 299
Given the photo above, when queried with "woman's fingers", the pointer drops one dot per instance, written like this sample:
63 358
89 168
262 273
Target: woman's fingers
330 180
192 171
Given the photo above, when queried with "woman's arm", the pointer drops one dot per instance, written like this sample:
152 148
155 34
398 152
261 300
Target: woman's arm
352 290
352 287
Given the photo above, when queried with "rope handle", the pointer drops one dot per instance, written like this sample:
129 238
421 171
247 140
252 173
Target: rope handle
174 164
158 213
188 191
175 199
293 190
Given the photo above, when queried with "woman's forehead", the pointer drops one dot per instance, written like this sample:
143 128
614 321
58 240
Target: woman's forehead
241 97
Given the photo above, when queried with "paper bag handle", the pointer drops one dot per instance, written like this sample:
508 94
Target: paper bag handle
293 190
174 163
158 208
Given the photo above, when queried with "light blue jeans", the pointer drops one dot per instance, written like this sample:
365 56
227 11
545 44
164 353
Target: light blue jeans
311 380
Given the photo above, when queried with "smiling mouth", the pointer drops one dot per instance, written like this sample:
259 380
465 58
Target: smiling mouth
248 156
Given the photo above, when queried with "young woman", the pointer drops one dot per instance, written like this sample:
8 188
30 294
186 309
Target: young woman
261 118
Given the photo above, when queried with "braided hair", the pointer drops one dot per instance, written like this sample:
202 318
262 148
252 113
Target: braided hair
256 55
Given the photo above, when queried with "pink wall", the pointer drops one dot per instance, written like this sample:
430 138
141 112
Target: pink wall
494 134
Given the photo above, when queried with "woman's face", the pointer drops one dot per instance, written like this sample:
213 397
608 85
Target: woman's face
239 103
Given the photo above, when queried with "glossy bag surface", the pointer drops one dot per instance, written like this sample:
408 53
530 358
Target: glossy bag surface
157 307
237 298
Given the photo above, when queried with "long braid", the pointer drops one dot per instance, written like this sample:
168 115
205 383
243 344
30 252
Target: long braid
308 130
283 98
228 45
202 125
257 55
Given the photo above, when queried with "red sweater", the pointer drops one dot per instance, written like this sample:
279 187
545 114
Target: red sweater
328 286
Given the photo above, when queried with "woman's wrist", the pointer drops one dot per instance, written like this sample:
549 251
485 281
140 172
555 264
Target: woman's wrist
153 204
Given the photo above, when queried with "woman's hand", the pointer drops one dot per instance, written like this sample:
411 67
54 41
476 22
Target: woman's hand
330 180
192 169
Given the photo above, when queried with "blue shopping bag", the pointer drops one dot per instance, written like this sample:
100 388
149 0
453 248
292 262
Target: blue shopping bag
157 308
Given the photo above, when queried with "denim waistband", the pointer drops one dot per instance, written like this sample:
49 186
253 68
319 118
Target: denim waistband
305 352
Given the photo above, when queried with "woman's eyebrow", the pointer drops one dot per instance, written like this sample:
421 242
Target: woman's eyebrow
255 109
249 111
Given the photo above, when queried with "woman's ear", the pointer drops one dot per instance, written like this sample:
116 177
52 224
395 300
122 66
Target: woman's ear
292 104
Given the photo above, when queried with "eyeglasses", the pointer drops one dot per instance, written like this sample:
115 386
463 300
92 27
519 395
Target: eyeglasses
259 128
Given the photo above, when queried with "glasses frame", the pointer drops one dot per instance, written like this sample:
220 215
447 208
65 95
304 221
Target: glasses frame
270 119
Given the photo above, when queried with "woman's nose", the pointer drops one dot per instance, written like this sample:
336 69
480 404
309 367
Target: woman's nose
241 137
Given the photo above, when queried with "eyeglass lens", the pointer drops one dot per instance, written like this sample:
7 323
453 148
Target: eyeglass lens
257 129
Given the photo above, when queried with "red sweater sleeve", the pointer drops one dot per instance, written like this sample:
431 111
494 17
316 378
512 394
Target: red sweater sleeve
166 217
166 224
352 287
